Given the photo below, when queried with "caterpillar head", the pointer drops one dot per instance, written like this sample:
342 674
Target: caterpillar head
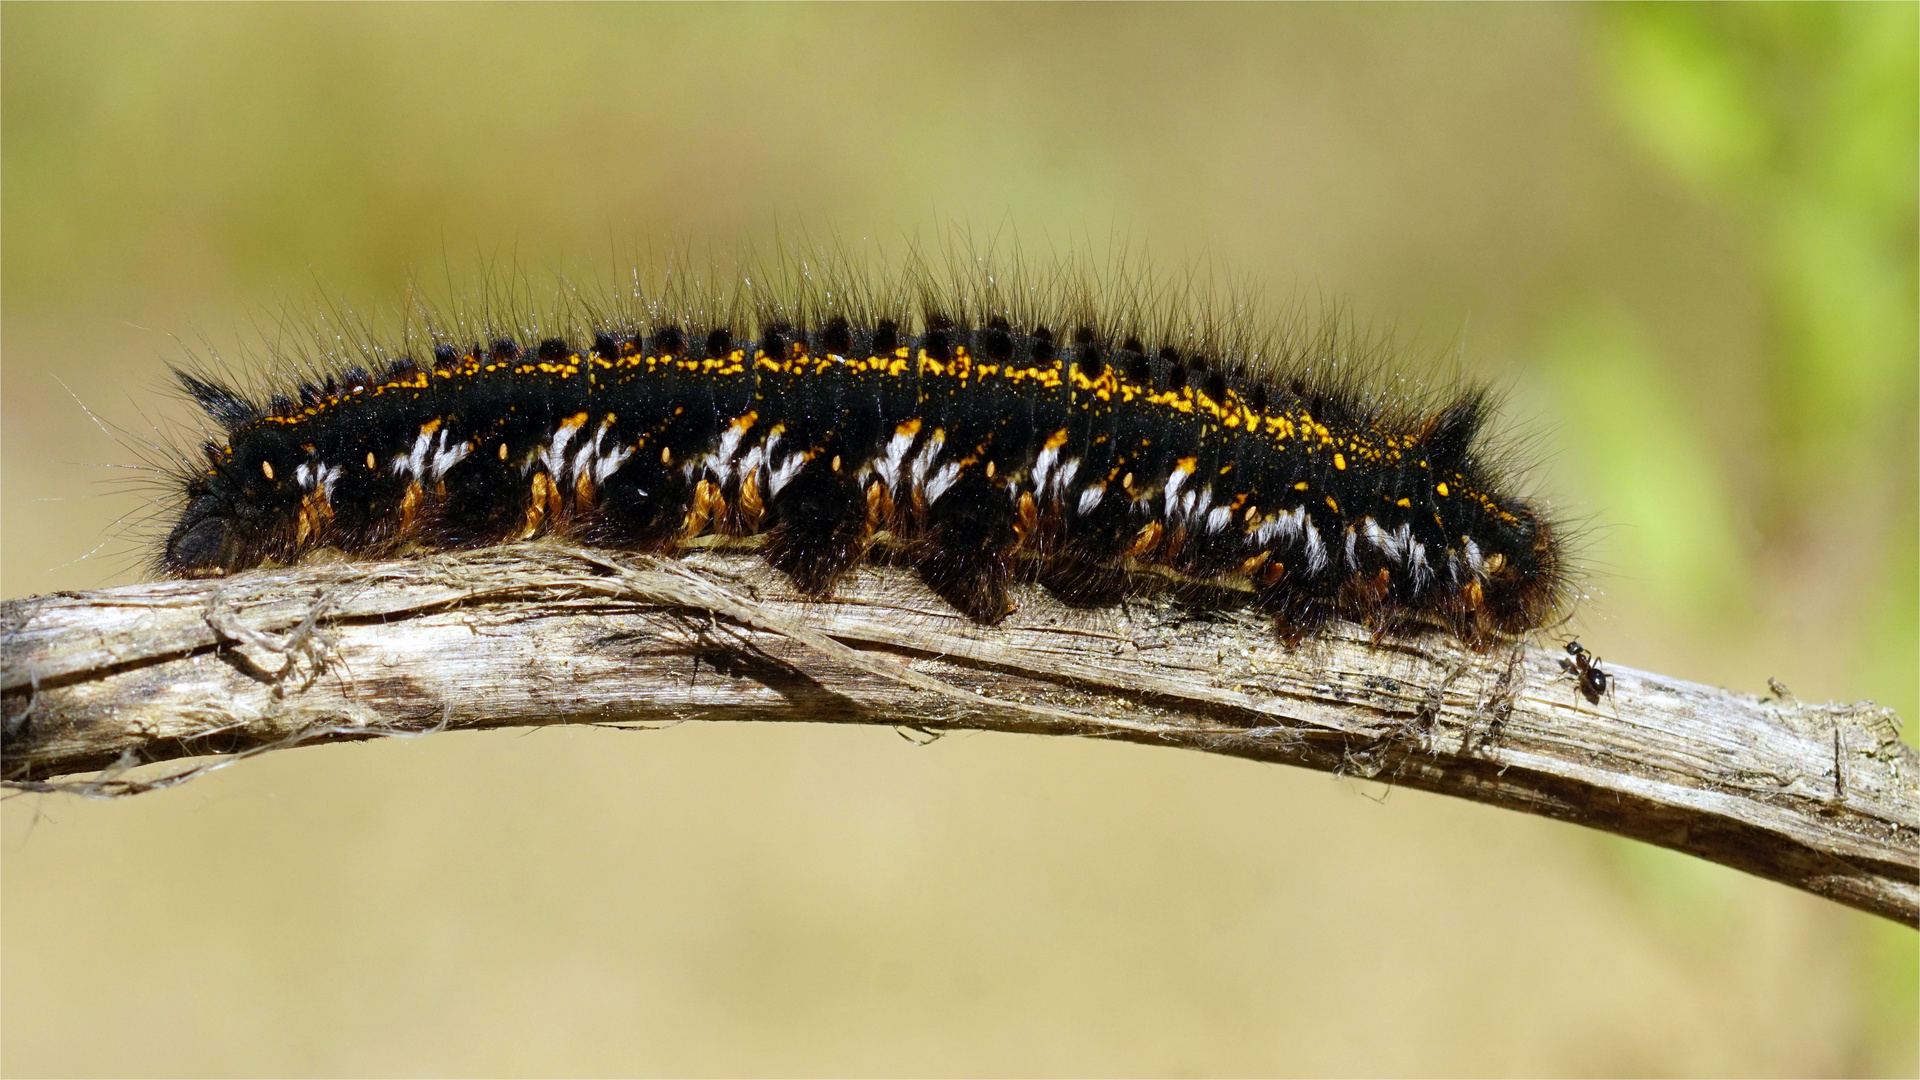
240 509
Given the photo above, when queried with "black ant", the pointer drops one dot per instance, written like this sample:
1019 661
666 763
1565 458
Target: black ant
1588 676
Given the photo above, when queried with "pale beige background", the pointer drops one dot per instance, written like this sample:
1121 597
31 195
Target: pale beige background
727 900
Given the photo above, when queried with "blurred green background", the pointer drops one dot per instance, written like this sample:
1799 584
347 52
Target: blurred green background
1683 237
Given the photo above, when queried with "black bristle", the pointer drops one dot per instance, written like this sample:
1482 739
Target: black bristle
1449 435
836 337
1086 357
997 344
1043 345
669 341
225 406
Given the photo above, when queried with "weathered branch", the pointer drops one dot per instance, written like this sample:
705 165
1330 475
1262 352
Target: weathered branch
1824 798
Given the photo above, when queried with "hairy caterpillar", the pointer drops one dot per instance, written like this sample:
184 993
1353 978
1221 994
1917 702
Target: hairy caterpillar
979 433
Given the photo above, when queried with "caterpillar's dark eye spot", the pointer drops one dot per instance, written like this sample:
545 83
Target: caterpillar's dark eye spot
886 338
1176 377
444 356
605 347
772 342
503 350
553 349
1216 386
1257 401
281 405
669 341
719 343
309 394
355 378
836 337
937 345
938 321
405 366
1170 354
1085 336
1132 344
1139 369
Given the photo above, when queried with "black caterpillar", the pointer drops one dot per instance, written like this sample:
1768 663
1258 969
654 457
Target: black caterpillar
1070 450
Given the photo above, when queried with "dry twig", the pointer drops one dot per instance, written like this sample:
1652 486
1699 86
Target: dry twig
1825 798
